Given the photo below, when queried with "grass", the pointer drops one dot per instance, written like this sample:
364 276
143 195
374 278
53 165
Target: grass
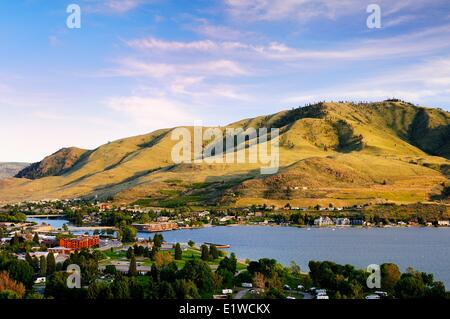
189 254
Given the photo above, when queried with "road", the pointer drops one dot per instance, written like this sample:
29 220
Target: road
241 293
306 295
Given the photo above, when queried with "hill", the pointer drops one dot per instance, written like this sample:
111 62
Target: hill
52 165
341 153
11 169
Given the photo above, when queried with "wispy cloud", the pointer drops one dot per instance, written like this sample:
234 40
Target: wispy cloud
218 68
406 45
114 6
400 20
418 83
151 113
159 44
305 10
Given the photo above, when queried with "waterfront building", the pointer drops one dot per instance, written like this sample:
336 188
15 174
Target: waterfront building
80 242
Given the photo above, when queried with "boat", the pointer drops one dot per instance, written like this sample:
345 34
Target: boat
218 245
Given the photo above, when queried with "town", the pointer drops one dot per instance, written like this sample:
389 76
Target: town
125 246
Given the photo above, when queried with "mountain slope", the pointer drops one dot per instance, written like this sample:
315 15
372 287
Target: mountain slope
341 152
11 169
52 165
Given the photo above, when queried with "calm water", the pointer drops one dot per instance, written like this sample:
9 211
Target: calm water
425 249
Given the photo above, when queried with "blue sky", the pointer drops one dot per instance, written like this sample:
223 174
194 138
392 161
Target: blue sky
139 65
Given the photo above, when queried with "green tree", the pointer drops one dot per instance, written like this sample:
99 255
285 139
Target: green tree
51 264
21 271
410 286
43 266
132 271
205 253
110 270
128 234
390 275
191 243
200 273
178 252
130 253
213 252
186 289
158 240
36 238
166 291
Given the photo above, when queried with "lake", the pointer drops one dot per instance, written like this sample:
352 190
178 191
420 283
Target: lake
423 248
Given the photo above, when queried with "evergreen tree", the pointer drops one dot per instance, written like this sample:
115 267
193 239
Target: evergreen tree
36 238
155 273
205 253
43 266
130 253
132 271
51 264
178 252
213 252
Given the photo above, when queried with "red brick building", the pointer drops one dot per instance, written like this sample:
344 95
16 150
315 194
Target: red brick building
80 242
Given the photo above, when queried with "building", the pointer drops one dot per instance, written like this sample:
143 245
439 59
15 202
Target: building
323 221
80 242
156 227
342 221
60 251
356 222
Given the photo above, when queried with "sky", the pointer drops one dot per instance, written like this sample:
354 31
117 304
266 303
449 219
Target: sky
139 65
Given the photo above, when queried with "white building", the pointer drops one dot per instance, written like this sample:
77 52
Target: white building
323 221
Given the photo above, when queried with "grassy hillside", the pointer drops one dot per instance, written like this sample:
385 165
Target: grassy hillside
342 153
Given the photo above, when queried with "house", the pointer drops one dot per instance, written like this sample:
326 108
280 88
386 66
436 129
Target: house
356 222
60 250
323 221
342 221
226 219
443 223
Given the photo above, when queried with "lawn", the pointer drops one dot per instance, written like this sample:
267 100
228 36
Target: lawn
189 254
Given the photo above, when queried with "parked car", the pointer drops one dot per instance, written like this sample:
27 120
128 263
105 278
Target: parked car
321 291
382 294
373 296
300 287
287 287
322 297
290 297
247 285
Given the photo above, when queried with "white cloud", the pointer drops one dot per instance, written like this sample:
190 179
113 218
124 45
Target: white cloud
418 83
304 10
158 44
151 113
406 45
114 6
219 32
216 68
395 21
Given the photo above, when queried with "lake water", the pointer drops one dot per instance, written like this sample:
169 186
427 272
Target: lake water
425 249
